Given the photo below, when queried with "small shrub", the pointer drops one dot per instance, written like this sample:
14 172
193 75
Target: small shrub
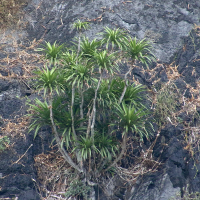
186 195
78 189
94 120
4 142
167 104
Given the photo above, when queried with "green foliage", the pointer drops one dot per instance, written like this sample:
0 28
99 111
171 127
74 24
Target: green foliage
110 91
86 116
134 94
40 115
89 48
69 59
4 142
107 145
85 147
52 52
79 25
104 61
114 37
132 119
49 80
77 189
79 75
139 50
106 95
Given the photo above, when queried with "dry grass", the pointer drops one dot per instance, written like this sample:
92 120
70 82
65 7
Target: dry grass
11 12
54 174
18 55
15 128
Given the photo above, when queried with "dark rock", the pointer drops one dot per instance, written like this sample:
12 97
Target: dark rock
170 131
180 84
9 108
156 186
169 26
17 70
4 85
183 117
4 72
176 163
29 195
164 77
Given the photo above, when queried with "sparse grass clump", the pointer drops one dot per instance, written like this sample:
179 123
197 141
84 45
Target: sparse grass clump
77 189
187 195
4 142
167 104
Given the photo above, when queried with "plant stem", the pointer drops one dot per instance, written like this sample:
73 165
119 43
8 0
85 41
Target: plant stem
126 84
121 154
72 112
61 149
79 43
81 107
89 123
101 164
94 107
78 156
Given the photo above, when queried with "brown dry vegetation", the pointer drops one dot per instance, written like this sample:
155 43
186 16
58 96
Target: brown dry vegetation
11 12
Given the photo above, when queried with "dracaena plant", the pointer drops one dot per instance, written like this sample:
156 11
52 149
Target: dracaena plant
113 37
69 59
87 103
52 51
49 80
80 26
136 51
88 48
139 50
131 120
107 145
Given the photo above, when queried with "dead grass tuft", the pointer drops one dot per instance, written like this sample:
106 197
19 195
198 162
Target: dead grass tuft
17 127
54 174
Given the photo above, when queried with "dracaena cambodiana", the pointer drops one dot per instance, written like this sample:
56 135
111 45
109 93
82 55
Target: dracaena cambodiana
86 102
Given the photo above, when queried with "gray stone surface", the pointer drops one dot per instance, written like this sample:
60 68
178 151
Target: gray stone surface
164 23
161 189
168 25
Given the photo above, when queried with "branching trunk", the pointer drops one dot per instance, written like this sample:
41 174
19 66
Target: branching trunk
121 154
61 149
89 123
78 156
94 107
72 112
81 107
101 165
79 46
89 164
126 84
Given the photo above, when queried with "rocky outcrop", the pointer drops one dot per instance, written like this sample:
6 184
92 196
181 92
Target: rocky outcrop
172 26
164 23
